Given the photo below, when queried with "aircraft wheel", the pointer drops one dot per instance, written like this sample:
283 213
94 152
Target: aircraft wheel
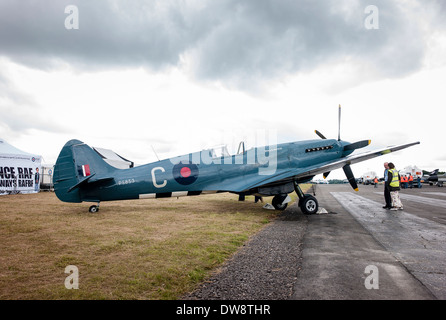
309 204
277 203
93 209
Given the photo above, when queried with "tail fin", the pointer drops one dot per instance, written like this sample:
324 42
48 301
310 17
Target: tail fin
433 173
77 163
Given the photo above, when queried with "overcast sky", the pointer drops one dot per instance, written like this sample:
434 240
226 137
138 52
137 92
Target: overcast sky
180 76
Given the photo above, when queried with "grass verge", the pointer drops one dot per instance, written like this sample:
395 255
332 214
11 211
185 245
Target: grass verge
142 249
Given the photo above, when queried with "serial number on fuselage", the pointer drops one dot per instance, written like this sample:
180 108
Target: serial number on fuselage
126 181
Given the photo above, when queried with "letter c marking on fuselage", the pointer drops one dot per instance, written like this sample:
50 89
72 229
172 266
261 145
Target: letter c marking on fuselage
154 178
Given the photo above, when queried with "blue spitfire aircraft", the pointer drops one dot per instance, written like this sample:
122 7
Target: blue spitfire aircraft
80 173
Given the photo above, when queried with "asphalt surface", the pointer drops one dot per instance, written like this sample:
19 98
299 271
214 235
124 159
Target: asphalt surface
355 250
265 268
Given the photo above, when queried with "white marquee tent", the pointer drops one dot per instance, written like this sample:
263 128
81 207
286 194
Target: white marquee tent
20 172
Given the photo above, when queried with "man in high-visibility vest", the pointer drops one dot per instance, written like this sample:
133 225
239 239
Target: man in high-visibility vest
393 183
410 181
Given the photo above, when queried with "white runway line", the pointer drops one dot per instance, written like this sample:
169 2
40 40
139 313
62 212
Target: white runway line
424 200
418 243
435 193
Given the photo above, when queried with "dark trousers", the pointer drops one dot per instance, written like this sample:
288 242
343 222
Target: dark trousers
387 196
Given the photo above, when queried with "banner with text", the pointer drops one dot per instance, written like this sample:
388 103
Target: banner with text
19 174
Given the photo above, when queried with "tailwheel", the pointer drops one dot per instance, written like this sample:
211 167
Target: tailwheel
309 204
94 208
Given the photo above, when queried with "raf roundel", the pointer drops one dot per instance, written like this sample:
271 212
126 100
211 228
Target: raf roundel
185 173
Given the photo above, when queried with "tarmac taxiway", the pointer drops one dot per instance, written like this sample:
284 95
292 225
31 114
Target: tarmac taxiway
354 250
408 246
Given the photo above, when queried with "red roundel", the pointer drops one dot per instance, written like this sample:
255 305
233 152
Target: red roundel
185 172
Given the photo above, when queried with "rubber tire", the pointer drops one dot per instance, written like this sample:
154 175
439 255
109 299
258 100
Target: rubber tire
309 205
93 209
277 203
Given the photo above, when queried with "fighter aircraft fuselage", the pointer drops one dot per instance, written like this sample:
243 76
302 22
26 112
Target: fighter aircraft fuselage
200 172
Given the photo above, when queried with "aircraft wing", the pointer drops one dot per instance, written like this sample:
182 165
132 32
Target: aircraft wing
294 174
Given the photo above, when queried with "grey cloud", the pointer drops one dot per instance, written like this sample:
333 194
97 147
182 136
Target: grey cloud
273 38
111 33
233 41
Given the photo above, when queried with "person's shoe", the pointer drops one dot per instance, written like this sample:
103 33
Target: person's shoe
386 207
394 209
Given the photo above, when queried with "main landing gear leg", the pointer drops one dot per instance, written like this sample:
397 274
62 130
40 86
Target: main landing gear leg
94 208
307 203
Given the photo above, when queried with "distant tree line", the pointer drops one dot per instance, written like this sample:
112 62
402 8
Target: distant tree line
337 181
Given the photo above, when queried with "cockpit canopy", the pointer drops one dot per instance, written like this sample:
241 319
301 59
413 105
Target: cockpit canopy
220 151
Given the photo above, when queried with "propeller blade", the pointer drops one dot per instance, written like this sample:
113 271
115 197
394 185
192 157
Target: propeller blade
357 145
349 174
320 134
339 123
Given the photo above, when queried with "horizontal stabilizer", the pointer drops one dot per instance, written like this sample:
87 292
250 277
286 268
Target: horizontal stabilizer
83 181
89 180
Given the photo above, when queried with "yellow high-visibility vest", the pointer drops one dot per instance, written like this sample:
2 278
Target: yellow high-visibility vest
395 182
